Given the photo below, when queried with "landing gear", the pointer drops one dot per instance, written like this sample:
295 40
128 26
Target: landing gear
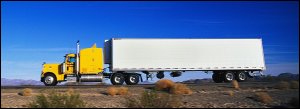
160 75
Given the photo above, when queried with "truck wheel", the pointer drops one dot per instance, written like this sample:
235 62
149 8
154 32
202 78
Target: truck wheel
241 76
160 75
217 78
50 80
228 76
132 79
117 79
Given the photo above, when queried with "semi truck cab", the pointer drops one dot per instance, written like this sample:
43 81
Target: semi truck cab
86 65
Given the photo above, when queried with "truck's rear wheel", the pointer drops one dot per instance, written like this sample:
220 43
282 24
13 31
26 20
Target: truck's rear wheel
117 79
50 80
217 77
241 76
132 79
228 76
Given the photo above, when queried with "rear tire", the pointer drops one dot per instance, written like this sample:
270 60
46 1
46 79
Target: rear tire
132 79
241 76
228 76
117 79
50 80
217 77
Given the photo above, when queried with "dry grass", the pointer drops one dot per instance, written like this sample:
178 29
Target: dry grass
230 93
263 97
164 84
112 91
26 92
294 84
57 100
235 84
283 85
122 91
117 91
154 99
294 102
70 91
179 88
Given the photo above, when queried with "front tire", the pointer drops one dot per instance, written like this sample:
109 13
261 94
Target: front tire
132 79
117 79
50 80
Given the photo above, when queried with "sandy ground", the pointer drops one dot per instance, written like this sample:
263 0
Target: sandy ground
208 95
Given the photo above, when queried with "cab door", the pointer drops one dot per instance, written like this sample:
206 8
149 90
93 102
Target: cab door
70 63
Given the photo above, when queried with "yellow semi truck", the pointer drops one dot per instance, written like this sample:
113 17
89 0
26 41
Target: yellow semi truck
228 59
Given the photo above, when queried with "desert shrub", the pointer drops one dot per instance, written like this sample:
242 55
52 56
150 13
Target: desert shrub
235 84
117 90
283 85
25 92
122 91
295 84
57 100
179 88
294 102
112 91
263 97
164 84
153 99
70 91
230 93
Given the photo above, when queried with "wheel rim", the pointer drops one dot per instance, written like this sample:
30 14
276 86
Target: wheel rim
229 76
132 79
242 76
49 80
117 79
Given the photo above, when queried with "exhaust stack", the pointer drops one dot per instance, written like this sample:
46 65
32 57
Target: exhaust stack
77 59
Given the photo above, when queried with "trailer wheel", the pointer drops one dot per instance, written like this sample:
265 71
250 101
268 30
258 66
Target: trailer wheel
217 77
228 76
117 79
241 76
50 80
132 79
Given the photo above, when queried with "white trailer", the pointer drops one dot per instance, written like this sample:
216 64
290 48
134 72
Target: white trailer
228 59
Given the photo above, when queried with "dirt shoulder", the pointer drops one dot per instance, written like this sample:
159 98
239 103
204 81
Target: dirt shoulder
208 95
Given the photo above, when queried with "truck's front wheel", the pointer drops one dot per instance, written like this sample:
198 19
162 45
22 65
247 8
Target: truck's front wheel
132 79
117 79
50 80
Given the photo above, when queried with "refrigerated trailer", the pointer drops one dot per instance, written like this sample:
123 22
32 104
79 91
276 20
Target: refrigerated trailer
228 59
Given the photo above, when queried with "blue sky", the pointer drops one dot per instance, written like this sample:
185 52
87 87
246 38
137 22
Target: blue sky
36 32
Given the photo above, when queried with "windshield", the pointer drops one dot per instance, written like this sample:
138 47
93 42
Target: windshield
72 59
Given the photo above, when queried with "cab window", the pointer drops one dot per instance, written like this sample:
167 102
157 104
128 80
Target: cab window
72 59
